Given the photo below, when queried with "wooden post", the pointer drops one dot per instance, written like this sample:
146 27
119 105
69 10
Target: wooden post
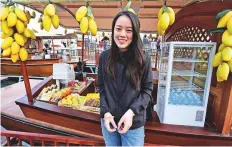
53 48
82 54
224 121
26 82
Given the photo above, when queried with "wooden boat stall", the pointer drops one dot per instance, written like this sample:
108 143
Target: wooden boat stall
86 120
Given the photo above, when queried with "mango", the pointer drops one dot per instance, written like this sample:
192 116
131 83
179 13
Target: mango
93 27
55 21
226 54
164 21
14 57
80 13
15 48
229 25
217 59
223 71
19 39
6 52
84 25
23 54
20 14
4 12
20 26
7 42
227 38
50 10
11 19
223 21
47 23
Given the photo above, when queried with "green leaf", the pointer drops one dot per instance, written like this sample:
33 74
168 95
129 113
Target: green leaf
218 30
89 11
222 13
165 9
128 5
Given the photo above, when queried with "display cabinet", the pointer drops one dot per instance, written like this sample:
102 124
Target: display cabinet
184 82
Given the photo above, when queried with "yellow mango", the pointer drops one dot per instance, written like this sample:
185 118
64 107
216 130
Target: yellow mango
23 54
27 33
55 21
24 38
11 31
93 27
229 25
32 35
6 52
223 71
223 21
47 23
221 47
50 10
230 65
11 19
217 59
160 13
171 15
20 14
84 25
15 48
4 12
164 21
14 57
19 39
5 27
226 54
219 79
80 13
227 38
20 26
7 42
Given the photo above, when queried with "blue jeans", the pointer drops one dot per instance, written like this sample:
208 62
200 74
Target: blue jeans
133 137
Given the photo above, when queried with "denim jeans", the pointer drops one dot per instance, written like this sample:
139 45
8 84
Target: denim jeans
133 137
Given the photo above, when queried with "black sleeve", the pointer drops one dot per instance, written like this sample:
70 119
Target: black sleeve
142 101
103 103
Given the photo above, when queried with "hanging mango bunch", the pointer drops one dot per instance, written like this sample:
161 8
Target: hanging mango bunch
15 33
128 7
86 20
223 58
49 18
166 17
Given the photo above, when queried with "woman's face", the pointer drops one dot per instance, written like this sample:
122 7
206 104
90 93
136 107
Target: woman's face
123 33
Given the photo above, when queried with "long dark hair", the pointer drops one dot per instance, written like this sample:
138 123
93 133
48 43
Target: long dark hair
136 62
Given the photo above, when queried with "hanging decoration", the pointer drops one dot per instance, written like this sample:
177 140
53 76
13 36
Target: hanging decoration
86 19
223 58
166 17
49 18
15 33
128 7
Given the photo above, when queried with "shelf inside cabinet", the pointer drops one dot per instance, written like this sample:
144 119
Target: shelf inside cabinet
182 85
188 60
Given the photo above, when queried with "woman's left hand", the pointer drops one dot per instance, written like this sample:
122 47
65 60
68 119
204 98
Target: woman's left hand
125 122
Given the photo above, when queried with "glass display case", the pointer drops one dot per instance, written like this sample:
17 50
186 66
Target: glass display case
184 82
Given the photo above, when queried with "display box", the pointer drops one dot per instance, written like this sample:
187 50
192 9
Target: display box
184 82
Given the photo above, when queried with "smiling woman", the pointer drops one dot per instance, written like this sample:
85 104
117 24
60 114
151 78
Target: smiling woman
125 84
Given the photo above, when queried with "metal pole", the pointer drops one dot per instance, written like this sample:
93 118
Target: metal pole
53 48
82 56
26 82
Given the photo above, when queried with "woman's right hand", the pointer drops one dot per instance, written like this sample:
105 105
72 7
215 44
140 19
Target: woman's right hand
108 118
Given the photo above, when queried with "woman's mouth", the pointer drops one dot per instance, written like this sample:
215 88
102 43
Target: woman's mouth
122 41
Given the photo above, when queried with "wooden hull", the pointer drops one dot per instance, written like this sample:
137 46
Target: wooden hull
89 125
42 68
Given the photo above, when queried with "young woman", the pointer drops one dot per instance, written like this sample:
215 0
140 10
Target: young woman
125 84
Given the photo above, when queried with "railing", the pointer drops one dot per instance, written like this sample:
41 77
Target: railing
44 139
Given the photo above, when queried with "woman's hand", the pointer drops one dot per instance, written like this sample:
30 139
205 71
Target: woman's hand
108 118
125 122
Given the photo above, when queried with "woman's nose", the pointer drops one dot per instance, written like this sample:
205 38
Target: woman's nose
123 33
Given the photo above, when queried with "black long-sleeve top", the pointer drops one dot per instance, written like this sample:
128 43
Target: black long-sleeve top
117 96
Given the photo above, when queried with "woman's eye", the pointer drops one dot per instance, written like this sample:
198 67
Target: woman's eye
118 29
129 30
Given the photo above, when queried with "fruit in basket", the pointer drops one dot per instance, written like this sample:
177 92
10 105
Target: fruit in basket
69 99
75 100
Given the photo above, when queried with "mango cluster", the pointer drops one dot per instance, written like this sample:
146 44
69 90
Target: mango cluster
15 32
223 58
49 18
166 17
85 18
